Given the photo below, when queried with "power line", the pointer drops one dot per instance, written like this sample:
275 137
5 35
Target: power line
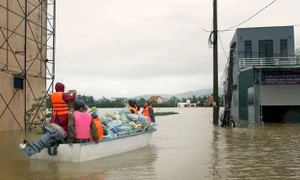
253 10
222 46
223 77
236 28
251 16
224 72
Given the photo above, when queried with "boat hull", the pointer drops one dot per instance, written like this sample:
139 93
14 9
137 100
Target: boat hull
90 151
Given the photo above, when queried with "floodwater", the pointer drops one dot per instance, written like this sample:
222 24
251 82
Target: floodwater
186 146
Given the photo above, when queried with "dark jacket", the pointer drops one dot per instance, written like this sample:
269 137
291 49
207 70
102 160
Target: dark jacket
151 113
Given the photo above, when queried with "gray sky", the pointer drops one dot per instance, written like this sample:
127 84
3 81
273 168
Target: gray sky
125 48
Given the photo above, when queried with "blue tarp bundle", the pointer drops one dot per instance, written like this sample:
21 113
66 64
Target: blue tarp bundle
123 121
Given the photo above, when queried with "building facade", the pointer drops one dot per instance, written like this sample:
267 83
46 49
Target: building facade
263 73
157 99
23 59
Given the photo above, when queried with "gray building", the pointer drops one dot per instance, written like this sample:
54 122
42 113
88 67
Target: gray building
263 42
254 45
263 73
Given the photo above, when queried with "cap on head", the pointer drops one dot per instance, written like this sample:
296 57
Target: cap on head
95 115
79 104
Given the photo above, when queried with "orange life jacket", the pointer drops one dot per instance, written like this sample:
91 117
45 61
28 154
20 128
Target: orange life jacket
98 124
146 112
59 106
135 111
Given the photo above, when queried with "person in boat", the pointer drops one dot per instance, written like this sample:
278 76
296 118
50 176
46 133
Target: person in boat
148 111
81 125
133 106
94 109
60 107
98 124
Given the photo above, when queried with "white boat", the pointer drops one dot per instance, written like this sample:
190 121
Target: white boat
90 151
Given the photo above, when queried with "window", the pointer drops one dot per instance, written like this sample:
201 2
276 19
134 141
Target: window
283 48
248 49
265 48
18 83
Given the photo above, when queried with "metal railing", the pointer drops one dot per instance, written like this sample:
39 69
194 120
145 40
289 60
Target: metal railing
271 61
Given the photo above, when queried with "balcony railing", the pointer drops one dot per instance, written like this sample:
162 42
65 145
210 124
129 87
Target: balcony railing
272 61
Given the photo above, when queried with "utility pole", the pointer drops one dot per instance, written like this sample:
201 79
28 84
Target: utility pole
215 65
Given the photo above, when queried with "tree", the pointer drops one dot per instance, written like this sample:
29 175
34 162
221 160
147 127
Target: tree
194 99
37 114
173 101
141 102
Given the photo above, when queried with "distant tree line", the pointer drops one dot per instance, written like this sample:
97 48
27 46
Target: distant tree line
172 102
100 103
117 103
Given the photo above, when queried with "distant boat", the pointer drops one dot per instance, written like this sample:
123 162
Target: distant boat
90 151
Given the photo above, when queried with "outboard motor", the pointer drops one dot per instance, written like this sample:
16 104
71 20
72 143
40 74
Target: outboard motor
54 134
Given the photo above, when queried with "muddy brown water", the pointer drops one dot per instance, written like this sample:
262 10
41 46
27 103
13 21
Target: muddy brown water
186 146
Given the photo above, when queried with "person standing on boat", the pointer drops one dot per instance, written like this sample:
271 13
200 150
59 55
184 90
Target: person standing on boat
133 107
60 108
81 125
149 112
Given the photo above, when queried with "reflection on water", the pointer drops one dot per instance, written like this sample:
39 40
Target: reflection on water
271 152
186 146
138 162
15 165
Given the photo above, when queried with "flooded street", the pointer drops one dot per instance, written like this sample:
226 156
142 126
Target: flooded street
186 146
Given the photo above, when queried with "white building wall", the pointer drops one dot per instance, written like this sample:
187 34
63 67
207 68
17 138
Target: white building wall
281 95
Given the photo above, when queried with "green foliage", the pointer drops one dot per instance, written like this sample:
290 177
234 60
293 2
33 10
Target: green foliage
38 111
48 102
141 102
172 102
107 103
101 103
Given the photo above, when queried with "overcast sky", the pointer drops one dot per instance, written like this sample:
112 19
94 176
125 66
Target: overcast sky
125 48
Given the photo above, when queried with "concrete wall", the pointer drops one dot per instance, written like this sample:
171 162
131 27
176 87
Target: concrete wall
12 63
280 95
235 104
265 33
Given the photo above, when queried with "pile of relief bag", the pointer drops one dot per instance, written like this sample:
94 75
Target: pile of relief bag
123 122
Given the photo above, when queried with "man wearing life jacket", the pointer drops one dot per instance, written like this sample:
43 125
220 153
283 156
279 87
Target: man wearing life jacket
133 107
148 111
81 125
98 124
60 108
